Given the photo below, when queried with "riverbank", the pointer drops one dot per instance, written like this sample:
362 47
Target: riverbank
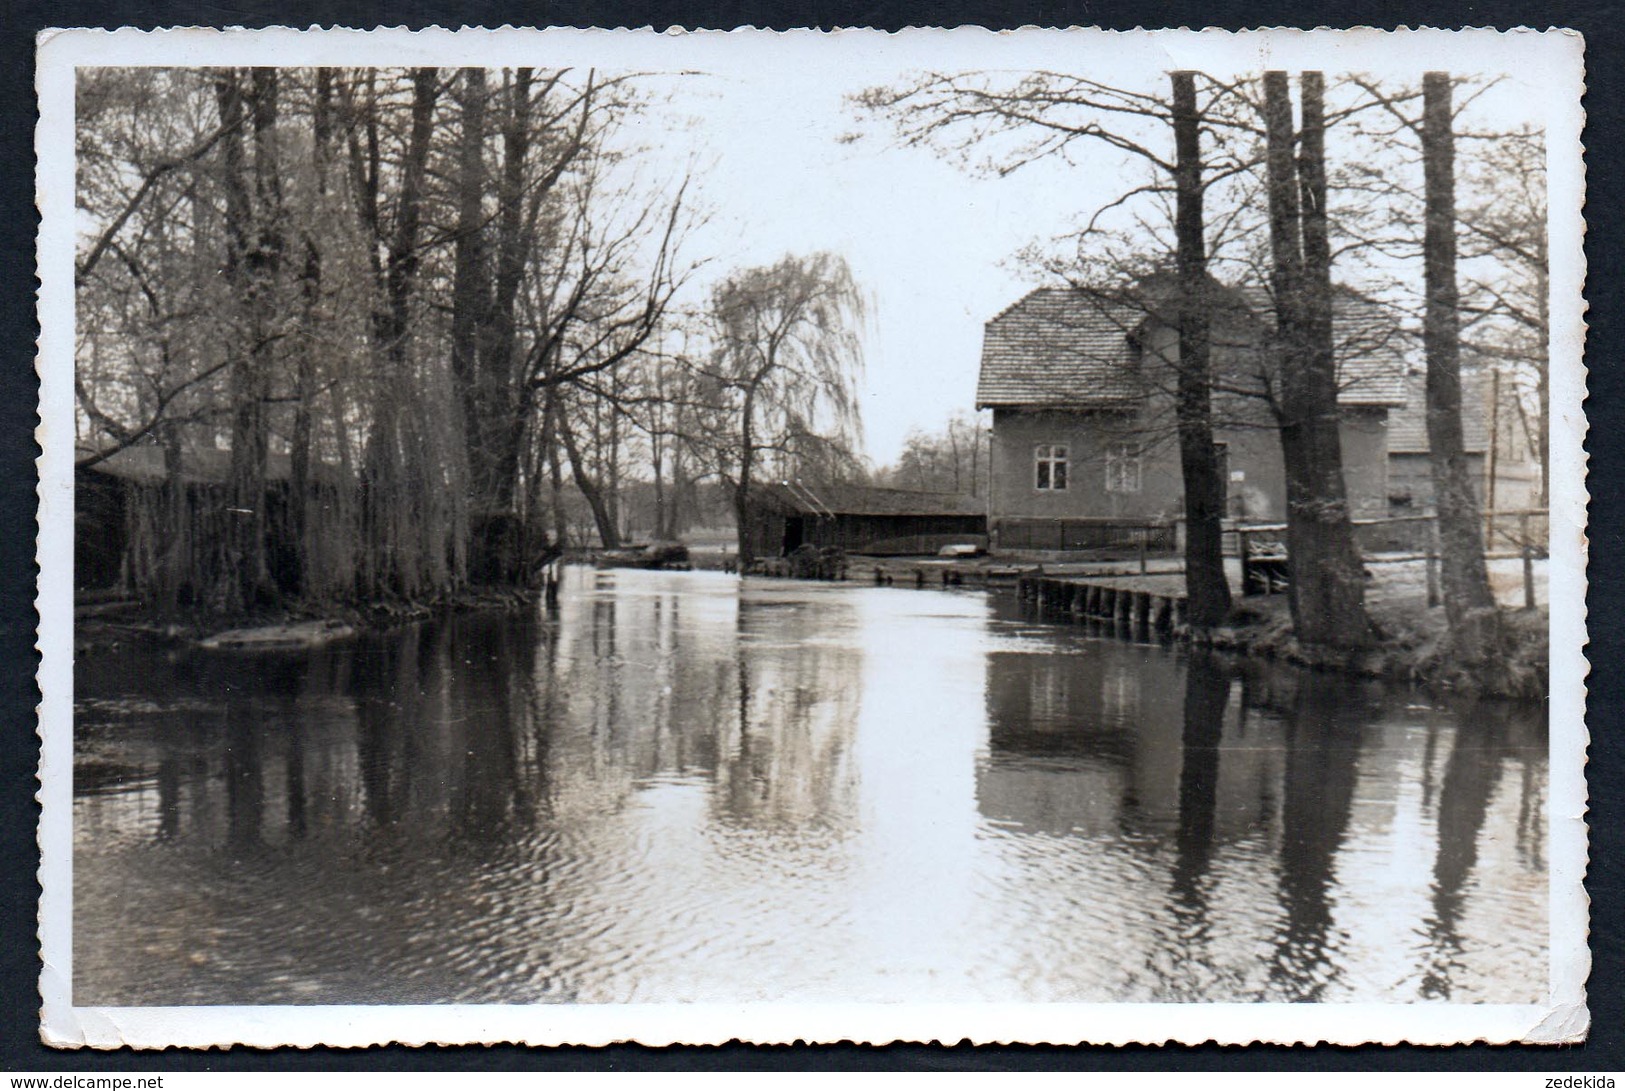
106 626
1414 646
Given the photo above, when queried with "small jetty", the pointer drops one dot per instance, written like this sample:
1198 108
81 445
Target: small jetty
909 572
1149 605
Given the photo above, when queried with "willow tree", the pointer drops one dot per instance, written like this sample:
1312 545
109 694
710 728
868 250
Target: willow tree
786 364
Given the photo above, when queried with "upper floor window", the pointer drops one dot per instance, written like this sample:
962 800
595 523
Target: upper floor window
1050 466
1123 467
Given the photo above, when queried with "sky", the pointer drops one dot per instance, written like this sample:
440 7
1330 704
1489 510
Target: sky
934 245
764 120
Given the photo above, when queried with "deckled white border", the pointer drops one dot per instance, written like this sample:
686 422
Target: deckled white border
1563 1018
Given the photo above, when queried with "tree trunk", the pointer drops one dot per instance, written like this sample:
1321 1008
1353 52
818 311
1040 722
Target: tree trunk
741 494
602 517
249 267
470 291
394 495
1327 590
1206 587
1543 388
299 453
1466 585
497 377
555 471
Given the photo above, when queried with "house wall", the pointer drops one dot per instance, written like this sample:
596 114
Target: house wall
1087 434
764 529
1410 484
1364 437
1256 476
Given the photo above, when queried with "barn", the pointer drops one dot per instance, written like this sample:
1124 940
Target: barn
858 519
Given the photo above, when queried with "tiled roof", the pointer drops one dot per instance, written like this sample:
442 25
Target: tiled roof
1068 347
866 500
1369 342
1060 346
1408 425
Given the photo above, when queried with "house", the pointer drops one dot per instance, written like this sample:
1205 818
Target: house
1508 481
1084 452
780 517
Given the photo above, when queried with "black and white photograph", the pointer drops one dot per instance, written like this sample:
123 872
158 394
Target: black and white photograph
567 537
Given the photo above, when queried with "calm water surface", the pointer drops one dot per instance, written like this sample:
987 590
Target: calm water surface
681 787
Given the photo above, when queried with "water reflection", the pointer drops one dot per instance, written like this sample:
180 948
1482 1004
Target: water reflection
684 787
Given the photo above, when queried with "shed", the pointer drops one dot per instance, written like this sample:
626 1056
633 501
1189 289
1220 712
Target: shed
1508 481
130 533
858 519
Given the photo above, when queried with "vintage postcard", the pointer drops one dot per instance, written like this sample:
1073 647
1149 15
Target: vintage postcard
575 536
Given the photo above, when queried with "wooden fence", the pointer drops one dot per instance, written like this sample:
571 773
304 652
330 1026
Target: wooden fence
1521 533
1078 535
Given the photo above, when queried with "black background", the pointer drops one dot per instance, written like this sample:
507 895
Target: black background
1600 22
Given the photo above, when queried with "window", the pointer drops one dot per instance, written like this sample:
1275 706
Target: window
1123 467
1050 463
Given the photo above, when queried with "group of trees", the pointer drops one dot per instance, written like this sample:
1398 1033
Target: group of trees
1237 186
952 459
423 317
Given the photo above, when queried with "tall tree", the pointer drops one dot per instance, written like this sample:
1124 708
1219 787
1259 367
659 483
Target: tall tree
252 262
1047 113
1207 588
1467 597
1327 587
1506 277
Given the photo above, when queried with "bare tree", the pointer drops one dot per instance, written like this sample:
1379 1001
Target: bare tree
1505 275
1467 596
1046 114
1327 588
950 459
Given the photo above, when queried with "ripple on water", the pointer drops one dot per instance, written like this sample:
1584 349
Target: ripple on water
705 790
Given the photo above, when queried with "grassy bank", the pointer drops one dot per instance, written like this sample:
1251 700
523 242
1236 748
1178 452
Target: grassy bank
1414 646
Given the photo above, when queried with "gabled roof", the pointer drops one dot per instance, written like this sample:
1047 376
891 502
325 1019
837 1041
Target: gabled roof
1408 425
1060 346
1074 348
828 500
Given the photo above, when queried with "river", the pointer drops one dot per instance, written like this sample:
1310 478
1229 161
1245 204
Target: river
681 786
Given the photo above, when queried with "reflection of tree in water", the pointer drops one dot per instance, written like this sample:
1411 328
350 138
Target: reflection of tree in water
1464 799
1323 739
793 717
440 710
1207 695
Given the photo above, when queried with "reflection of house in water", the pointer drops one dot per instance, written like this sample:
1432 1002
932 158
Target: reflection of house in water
1080 743
1096 743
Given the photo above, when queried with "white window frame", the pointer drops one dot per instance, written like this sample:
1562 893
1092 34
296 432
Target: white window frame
1047 459
1124 468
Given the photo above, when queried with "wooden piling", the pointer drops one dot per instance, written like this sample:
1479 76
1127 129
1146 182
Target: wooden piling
1528 576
